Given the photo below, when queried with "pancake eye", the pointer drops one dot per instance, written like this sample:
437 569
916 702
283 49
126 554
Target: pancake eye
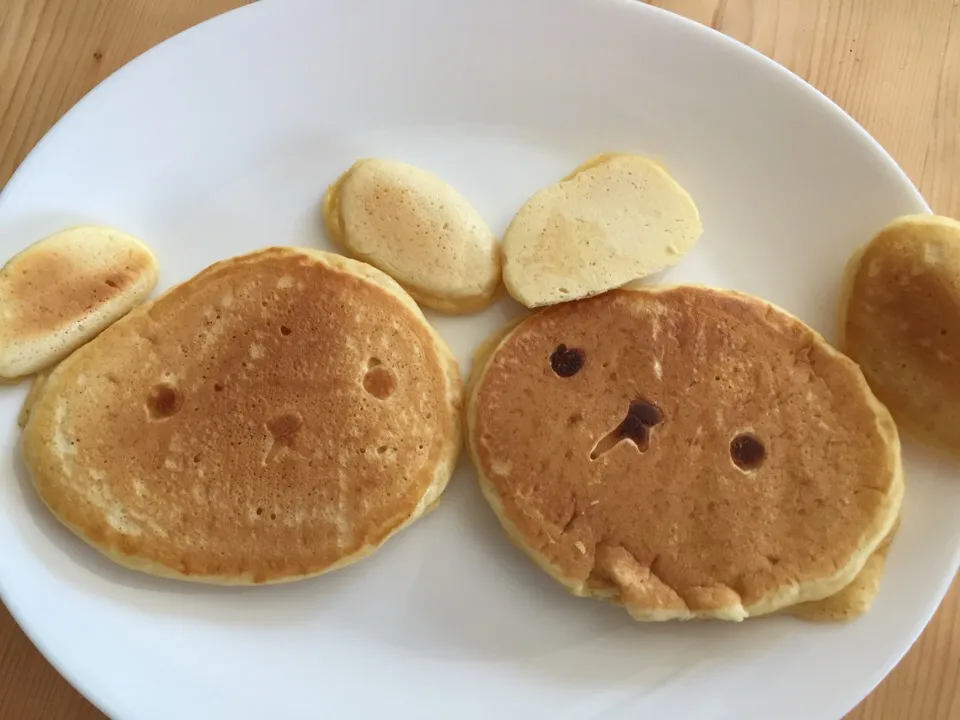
747 451
567 362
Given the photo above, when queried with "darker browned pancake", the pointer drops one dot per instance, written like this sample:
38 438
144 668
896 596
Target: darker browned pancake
279 415
688 452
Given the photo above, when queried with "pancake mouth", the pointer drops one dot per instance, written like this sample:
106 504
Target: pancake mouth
285 431
379 380
635 428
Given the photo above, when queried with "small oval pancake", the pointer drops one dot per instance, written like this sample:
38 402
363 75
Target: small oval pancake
668 525
417 229
279 415
64 289
900 320
617 218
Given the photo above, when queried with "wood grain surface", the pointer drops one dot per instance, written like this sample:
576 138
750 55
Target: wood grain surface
894 65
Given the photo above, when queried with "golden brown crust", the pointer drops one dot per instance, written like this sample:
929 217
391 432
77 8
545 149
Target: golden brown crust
900 320
277 416
679 530
64 289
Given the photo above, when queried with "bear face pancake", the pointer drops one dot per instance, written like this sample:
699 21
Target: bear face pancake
711 457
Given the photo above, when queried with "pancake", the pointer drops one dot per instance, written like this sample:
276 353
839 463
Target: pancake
900 320
64 289
684 452
278 416
616 219
419 230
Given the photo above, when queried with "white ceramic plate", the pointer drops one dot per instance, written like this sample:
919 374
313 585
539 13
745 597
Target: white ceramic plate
222 139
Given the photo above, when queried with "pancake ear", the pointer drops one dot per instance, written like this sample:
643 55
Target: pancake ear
747 451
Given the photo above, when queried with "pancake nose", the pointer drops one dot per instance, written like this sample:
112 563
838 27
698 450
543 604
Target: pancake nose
641 417
164 401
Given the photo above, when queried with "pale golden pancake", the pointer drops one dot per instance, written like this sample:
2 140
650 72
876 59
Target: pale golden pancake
63 290
685 452
900 320
279 415
617 218
419 230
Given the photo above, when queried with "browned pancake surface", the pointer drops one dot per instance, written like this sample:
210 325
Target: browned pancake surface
654 511
63 287
900 319
261 422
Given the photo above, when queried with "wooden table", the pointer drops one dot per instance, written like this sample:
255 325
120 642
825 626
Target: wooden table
892 64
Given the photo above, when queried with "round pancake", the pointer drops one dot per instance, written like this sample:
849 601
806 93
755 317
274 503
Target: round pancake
617 218
685 452
279 415
415 227
900 320
64 289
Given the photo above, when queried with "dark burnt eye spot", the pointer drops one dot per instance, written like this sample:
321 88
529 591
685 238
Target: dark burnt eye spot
567 362
747 451
642 416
